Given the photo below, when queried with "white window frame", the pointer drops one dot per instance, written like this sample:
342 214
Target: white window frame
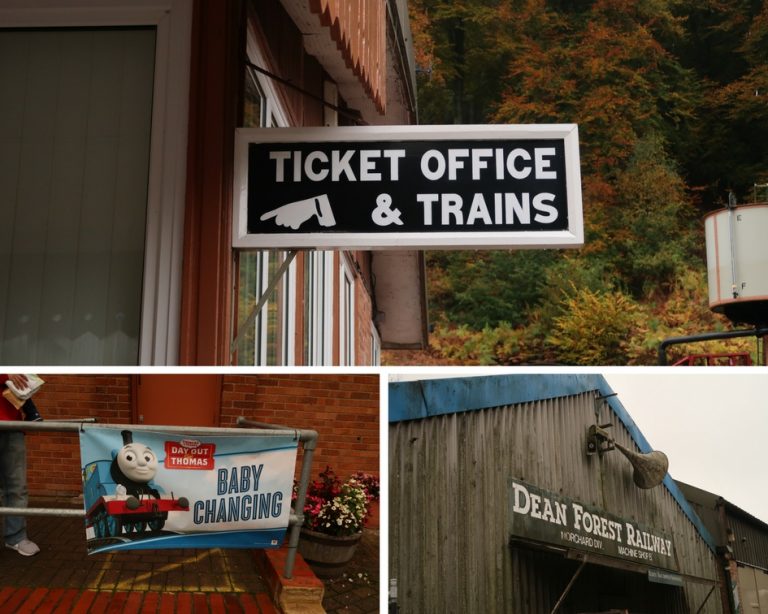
261 330
166 190
288 314
375 346
274 116
346 313
319 302
286 290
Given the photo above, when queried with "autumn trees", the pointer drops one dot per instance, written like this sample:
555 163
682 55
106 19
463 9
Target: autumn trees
671 99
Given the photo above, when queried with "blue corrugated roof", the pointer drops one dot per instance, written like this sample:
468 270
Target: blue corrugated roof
414 400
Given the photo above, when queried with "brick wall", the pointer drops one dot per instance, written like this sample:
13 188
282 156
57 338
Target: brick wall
363 309
344 409
54 458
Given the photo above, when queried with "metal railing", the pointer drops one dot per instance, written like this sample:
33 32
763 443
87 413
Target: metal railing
723 359
306 436
728 334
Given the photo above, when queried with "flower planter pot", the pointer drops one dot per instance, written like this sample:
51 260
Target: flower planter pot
327 555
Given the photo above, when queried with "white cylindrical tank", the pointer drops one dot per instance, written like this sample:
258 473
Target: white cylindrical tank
737 262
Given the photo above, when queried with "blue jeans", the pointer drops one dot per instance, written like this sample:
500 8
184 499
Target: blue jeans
13 483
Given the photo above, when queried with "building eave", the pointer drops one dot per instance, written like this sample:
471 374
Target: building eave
369 64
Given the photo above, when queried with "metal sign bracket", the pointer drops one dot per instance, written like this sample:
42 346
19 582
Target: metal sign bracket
261 302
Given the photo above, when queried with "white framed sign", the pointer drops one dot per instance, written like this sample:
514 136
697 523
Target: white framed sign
153 489
406 187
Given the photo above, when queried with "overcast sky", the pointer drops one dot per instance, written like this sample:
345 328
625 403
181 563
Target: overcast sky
713 426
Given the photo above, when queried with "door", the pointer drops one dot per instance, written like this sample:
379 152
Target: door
181 400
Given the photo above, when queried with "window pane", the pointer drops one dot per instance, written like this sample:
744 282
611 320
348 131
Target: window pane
249 284
266 340
346 323
273 318
74 160
254 106
318 319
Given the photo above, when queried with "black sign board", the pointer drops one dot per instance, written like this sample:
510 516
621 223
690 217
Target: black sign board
408 187
553 519
659 576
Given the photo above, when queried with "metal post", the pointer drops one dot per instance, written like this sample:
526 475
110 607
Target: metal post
261 302
729 334
77 426
732 241
306 436
42 511
309 439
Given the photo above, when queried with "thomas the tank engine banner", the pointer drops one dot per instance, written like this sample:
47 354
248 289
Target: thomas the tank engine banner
151 489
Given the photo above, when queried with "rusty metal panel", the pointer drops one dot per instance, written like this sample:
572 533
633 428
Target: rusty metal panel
449 519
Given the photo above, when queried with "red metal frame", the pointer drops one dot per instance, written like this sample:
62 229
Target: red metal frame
724 360
146 506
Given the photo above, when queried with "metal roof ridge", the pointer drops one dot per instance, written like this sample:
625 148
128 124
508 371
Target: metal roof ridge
425 398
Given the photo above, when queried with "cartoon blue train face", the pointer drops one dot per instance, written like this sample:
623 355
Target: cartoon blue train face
130 473
120 495
137 462
133 468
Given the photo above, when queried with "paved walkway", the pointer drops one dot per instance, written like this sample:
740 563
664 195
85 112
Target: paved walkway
64 578
357 591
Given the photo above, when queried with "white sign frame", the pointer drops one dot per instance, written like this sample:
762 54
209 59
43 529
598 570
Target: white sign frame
572 237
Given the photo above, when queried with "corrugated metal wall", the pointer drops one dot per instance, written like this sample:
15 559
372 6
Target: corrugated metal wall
751 542
449 497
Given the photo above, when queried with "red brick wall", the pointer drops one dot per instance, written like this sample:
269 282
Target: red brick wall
363 308
344 409
363 325
54 458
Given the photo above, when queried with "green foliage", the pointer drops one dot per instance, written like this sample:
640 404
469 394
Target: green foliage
459 78
482 289
651 232
595 328
671 101
460 345
727 45
499 345
683 312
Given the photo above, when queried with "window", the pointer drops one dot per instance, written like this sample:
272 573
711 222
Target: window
93 122
375 346
254 101
269 339
75 127
346 315
318 308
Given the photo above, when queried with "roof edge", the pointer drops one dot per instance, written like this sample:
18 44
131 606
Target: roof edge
420 399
